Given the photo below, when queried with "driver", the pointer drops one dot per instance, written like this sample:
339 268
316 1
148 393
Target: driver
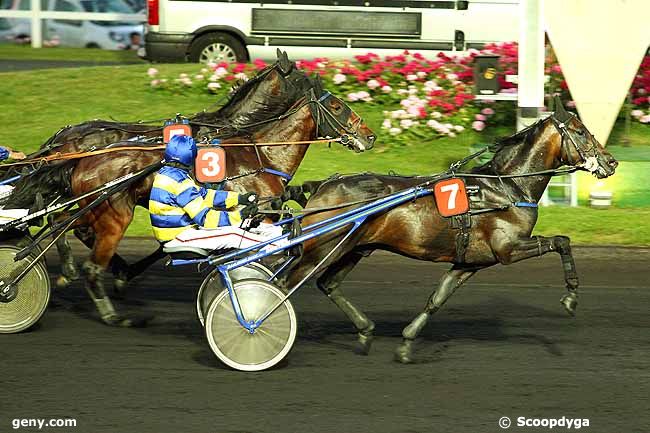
183 213
7 153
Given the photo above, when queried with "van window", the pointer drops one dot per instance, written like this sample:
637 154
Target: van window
114 6
64 6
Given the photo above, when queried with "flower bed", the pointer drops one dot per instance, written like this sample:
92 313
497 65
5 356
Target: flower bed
421 98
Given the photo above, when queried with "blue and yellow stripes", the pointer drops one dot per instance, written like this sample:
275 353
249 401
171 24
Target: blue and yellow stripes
176 202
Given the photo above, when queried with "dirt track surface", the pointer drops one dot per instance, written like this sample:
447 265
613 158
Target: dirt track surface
502 346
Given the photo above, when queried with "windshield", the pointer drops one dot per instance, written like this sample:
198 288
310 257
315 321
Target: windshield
115 6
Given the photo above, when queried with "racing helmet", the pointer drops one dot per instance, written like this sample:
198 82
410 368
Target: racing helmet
181 149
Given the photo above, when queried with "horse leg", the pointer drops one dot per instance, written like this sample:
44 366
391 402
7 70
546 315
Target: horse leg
69 271
104 248
449 282
540 245
329 283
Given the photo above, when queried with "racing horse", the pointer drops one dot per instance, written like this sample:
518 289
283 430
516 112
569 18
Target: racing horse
498 228
317 113
246 101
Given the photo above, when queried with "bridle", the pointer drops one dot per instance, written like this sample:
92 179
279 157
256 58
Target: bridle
328 124
588 155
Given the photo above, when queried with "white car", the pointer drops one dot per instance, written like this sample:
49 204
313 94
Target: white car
81 33
237 30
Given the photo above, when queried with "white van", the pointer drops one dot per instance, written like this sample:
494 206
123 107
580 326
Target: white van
213 30
81 33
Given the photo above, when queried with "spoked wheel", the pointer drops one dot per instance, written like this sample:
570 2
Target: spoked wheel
237 347
33 291
212 286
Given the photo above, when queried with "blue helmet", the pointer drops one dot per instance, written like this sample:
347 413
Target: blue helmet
182 149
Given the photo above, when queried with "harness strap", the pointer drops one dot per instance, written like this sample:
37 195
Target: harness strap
279 173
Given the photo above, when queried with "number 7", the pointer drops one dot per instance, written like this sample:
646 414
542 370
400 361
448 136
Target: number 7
452 188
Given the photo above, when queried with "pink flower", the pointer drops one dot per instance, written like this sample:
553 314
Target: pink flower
637 113
152 72
480 117
339 78
373 84
386 124
571 104
352 97
487 111
478 125
556 68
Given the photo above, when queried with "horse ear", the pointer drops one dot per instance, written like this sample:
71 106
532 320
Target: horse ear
284 63
560 113
278 53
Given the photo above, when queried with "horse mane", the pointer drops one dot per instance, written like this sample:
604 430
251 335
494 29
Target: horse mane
50 181
527 136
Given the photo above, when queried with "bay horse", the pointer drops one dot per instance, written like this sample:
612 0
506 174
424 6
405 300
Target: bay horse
417 230
249 100
316 114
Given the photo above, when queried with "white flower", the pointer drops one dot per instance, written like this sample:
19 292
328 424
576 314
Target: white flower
386 89
214 77
155 83
386 124
220 72
372 84
436 114
433 123
413 91
402 91
241 76
339 78
214 86
211 65
353 97
411 77
152 72
414 111
181 76
406 123
199 77
459 128
637 113
421 74
205 71
394 131
397 114
452 77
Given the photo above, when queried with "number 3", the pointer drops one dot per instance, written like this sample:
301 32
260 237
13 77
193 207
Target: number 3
213 164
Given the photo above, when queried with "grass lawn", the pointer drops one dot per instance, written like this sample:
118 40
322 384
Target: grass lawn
36 104
96 55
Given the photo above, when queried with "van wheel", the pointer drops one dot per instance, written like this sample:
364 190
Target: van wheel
217 47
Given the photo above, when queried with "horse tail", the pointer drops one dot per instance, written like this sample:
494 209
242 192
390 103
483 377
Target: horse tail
50 182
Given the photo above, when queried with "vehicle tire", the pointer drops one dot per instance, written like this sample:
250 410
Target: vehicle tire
33 291
212 285
92 45
217 47
267 345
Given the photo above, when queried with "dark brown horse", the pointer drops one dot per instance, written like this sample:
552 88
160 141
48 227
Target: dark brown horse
417 229
317 114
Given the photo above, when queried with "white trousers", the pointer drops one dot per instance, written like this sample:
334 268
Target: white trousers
227 237
7 215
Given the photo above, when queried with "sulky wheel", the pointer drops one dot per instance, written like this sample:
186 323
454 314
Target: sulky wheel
33 291
237 347
212 285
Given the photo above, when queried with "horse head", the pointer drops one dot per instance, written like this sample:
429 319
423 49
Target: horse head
578 147
334 118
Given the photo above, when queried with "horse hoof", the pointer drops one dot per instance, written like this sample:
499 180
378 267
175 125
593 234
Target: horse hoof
119 288
127 322
404 353
363 345
62 282
570 303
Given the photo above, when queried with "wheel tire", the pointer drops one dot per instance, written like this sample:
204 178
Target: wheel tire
33 292
212 285
233 344
217 47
